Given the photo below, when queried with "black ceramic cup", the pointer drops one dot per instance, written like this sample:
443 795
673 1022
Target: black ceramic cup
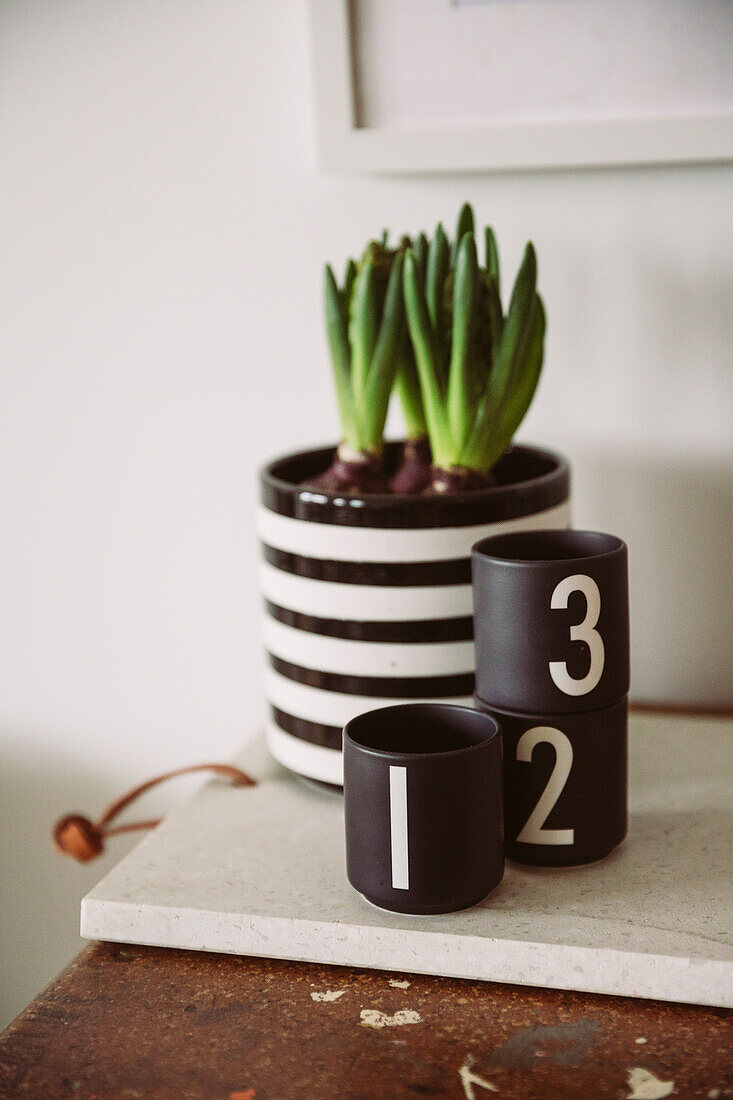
423 806
551 621
565 784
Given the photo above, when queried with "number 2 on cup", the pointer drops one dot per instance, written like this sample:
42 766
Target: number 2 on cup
534 832
580 632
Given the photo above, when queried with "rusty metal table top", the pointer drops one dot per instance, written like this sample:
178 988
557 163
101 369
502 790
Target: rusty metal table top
125 1021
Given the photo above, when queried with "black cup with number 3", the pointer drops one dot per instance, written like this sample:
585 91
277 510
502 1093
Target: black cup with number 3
551 613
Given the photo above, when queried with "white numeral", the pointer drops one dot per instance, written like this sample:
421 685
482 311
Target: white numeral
533 832
398 828
582 632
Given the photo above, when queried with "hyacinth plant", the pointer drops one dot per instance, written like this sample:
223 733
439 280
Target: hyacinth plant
478 367
426 321
367 340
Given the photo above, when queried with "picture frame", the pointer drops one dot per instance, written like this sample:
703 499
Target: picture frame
497 144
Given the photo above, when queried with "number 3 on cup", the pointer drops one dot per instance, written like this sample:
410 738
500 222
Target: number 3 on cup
581 632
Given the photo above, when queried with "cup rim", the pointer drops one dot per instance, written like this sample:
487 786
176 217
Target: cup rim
614 545
394 754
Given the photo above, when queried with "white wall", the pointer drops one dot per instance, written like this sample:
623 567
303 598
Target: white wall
163 229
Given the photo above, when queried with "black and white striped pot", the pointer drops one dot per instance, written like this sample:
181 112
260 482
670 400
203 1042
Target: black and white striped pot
368 598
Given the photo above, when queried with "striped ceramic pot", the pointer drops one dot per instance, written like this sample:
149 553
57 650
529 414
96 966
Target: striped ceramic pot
368 598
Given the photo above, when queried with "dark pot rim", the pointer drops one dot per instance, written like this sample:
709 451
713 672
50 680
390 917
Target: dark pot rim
528 479
490 548
467 714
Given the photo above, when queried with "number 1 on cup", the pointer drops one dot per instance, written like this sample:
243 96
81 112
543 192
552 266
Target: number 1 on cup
398 828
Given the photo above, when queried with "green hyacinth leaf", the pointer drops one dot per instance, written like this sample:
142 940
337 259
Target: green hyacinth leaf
363 325
495 318
461 384
507 358
426 359
465 224
338 343
438 266
522 391
383 367
420 248
349 279
492 257
524 386
516 324
407 385
476 452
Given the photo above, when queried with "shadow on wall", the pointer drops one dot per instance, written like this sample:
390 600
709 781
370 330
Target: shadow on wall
41 890
677 515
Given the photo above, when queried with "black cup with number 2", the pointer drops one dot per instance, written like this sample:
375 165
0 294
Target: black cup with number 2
565 779
551 617
423 807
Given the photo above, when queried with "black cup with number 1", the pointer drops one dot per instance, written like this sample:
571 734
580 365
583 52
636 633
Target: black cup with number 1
423 807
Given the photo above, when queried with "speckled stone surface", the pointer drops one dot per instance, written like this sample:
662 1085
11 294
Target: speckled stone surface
260 871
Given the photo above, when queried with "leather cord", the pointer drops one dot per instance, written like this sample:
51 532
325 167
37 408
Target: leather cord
75 835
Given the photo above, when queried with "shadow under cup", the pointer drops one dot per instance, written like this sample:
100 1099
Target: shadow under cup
423 807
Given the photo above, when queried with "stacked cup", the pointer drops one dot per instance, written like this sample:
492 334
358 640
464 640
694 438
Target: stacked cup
551 628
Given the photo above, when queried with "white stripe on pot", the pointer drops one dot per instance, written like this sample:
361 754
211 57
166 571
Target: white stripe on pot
366 658
331 708
336 543
300 756
364 602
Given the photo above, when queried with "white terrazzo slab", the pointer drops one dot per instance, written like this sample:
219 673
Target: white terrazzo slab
260 871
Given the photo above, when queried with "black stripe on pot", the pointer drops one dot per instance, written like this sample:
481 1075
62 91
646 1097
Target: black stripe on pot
383 687
403 574
315 733
418 630
526 480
